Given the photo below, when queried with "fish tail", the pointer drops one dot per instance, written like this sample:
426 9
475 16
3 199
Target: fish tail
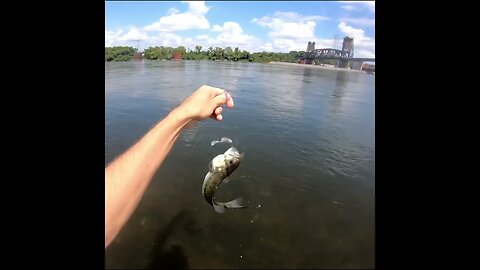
237 203
220 207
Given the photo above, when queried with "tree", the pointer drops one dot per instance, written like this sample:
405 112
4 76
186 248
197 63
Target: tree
236 54
181 50
228 53
161 53
119 53
210 53
218 53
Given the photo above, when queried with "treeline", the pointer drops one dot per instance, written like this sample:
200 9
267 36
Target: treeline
214 54
120 53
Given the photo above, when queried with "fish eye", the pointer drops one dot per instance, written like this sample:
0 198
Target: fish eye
231 162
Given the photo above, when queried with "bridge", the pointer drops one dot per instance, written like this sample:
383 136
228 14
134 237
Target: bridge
344 56
329 53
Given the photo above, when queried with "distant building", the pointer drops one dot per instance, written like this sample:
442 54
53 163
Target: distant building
177 56
368 68
137 56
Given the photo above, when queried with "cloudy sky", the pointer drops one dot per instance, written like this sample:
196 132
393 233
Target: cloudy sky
252 26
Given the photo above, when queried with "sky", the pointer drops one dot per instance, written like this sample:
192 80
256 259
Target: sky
273 26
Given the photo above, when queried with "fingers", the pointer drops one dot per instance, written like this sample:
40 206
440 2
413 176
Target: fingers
218 117
217 114
217 91
230 103
224 98
220 97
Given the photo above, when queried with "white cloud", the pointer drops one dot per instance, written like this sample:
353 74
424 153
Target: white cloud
289 30
292 30
290 17
197 7
349 7
356 33
354 4
359 21
166 39
364 53
194 18
217 28
120 38
135 35
202 37
230 34
370 5
172 11
364 46
295 17
268 47
110 37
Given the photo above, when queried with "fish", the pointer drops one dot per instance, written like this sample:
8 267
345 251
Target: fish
219 169
222 140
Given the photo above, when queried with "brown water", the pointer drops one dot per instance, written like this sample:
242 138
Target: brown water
308 177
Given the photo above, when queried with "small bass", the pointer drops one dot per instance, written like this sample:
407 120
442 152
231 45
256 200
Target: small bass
219 169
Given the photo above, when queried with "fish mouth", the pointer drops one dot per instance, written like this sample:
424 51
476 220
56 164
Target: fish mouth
233 152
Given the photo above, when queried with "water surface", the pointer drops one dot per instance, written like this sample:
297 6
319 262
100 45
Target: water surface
308 177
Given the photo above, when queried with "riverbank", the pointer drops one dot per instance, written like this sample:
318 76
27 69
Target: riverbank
316 66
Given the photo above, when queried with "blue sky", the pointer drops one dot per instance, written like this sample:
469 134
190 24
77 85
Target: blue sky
278 26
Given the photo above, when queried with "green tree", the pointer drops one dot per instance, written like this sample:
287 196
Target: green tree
228 53
182 50
160 53
119 53
210 53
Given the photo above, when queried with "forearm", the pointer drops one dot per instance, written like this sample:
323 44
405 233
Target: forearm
127 177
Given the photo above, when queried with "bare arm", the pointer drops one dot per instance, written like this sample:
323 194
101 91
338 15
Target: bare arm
128 176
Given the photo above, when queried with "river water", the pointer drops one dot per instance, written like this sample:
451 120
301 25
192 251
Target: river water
308 177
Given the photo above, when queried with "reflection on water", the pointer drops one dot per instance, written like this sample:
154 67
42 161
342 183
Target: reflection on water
308 177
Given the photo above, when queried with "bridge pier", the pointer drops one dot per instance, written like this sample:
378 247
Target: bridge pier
356 65
343 63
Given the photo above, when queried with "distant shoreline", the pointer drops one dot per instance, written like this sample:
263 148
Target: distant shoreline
272 62
317 66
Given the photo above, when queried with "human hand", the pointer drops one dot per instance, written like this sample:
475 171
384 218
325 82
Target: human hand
206 102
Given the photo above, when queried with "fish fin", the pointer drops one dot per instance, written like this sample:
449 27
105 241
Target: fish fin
237 203
218 207
205 181
213 143
210 166
226 140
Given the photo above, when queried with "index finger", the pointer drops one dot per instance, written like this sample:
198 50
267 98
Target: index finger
218 91
229 100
